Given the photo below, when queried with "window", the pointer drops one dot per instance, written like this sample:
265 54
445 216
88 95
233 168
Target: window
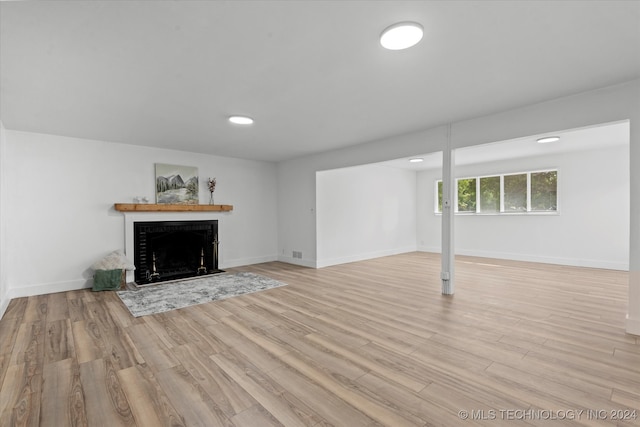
513 193
490 194
467 195
544 191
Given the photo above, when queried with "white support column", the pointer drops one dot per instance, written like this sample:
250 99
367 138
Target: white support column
448 187
633 308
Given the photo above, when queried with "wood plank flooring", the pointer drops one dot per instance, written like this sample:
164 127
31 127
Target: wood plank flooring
371 343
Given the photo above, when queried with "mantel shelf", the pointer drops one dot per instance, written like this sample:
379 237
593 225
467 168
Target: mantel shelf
147 207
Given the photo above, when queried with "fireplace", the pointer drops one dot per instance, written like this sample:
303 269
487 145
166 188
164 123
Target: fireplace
170 250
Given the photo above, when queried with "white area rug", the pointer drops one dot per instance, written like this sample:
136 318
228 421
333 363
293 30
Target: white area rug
171 296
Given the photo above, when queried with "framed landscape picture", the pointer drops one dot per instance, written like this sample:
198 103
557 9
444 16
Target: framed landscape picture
176 184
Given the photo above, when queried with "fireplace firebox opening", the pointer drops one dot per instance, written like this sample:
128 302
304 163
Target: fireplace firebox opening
171 250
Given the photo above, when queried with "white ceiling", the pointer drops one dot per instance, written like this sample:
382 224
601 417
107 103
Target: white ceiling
311 73
582 139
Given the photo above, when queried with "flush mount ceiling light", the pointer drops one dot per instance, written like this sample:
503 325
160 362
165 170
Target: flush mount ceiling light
402 35
416 160
548 139
241 120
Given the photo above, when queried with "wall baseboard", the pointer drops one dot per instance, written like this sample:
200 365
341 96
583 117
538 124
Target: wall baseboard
42 289
73 285
247 261
363 257
573 262
433 249
633 326
50 288
4 304
297 261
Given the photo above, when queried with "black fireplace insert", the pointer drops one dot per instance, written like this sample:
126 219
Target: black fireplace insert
170 250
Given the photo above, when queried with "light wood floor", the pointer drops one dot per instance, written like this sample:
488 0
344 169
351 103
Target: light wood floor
364 344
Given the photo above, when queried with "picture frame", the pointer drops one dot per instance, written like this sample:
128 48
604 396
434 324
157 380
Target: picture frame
176 184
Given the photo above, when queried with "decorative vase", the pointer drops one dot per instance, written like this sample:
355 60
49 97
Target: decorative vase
211 199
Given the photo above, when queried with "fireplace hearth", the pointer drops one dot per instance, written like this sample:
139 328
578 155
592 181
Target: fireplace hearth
171 250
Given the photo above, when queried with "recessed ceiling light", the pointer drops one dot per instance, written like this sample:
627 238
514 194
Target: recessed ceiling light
241 120
416 160
548 139
401 35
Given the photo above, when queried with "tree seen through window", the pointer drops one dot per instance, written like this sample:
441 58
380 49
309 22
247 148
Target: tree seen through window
490 194
467 195
544 193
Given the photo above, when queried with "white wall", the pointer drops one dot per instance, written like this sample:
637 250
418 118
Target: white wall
4 297
364 212
60 195
297 186
591 228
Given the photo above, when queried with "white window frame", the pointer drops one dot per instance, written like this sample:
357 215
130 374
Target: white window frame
502 211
